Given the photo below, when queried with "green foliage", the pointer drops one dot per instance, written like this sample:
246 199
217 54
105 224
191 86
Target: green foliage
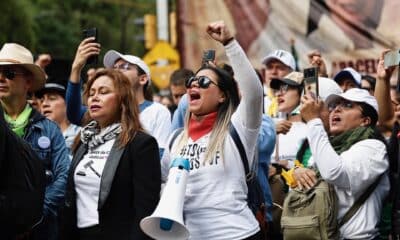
17 23
55 27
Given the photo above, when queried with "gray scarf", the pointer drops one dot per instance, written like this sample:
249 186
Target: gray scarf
93 137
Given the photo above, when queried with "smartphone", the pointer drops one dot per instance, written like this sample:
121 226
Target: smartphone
208 55
311 82
392 58
91 32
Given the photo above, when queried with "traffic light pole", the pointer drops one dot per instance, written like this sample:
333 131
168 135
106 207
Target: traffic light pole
162 20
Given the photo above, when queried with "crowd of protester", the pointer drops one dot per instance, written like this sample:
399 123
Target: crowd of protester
104 150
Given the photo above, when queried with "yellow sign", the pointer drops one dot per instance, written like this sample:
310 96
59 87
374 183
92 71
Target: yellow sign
162 60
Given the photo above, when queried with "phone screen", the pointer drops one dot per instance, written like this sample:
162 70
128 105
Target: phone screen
311 82
91 32
392 58
208 55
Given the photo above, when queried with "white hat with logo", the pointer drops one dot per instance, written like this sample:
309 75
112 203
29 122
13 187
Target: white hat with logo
283 56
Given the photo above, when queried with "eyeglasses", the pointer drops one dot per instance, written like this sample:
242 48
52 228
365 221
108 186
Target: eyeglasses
123 67
342 104
283 88
10 74
203 81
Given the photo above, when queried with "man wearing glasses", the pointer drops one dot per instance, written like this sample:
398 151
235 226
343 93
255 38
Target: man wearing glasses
19 75
155 118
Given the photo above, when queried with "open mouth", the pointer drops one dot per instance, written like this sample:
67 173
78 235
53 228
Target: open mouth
194 96
335 120
280 100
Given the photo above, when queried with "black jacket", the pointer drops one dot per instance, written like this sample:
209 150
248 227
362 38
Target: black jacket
129 190
394 157
22 184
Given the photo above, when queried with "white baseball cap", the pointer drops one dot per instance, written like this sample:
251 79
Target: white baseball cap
283 56
355 95
348 73
327 87
112 56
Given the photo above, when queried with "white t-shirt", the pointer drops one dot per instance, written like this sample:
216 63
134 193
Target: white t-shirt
215 204
156 120
290 143
216 192
87 179
351 173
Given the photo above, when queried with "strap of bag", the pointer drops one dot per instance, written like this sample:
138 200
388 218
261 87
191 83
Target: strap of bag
360 201
235 136
174 136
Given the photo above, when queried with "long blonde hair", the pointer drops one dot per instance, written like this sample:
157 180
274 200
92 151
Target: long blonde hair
224 114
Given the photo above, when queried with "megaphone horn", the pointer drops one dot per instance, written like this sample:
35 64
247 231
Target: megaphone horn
166 222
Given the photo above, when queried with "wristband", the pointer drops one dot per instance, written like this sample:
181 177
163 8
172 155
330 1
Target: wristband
226 42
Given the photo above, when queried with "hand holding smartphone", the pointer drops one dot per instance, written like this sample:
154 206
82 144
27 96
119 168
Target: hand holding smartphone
91 32
311 82
208 56
392 58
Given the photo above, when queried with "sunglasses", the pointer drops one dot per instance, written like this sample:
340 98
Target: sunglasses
10 74
203 81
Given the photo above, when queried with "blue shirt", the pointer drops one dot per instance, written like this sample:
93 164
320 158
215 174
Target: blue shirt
266 145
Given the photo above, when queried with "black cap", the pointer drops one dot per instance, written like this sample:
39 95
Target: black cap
51 87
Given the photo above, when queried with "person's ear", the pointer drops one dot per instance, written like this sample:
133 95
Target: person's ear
222 98
143 79
366 122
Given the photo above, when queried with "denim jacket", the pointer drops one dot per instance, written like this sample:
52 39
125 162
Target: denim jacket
46 140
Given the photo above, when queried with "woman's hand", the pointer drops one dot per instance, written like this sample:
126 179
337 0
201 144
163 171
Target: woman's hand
383 73
310 108
305 178
283 126
85 49
315 59
219 32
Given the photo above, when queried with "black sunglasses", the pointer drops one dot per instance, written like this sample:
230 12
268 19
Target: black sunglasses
203 81
9 74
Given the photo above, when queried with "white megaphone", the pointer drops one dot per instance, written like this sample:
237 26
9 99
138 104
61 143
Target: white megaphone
166 222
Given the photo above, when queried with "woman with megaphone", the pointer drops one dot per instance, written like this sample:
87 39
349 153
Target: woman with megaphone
115 175
215 205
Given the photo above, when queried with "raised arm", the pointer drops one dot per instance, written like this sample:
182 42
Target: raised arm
250 107
382 94
75 109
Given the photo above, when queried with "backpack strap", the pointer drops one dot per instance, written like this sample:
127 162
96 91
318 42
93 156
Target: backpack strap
360 201
235 136
174 136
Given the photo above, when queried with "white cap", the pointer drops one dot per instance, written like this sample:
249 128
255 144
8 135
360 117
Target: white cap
112 56
283 56
326 87
349 73
355 95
